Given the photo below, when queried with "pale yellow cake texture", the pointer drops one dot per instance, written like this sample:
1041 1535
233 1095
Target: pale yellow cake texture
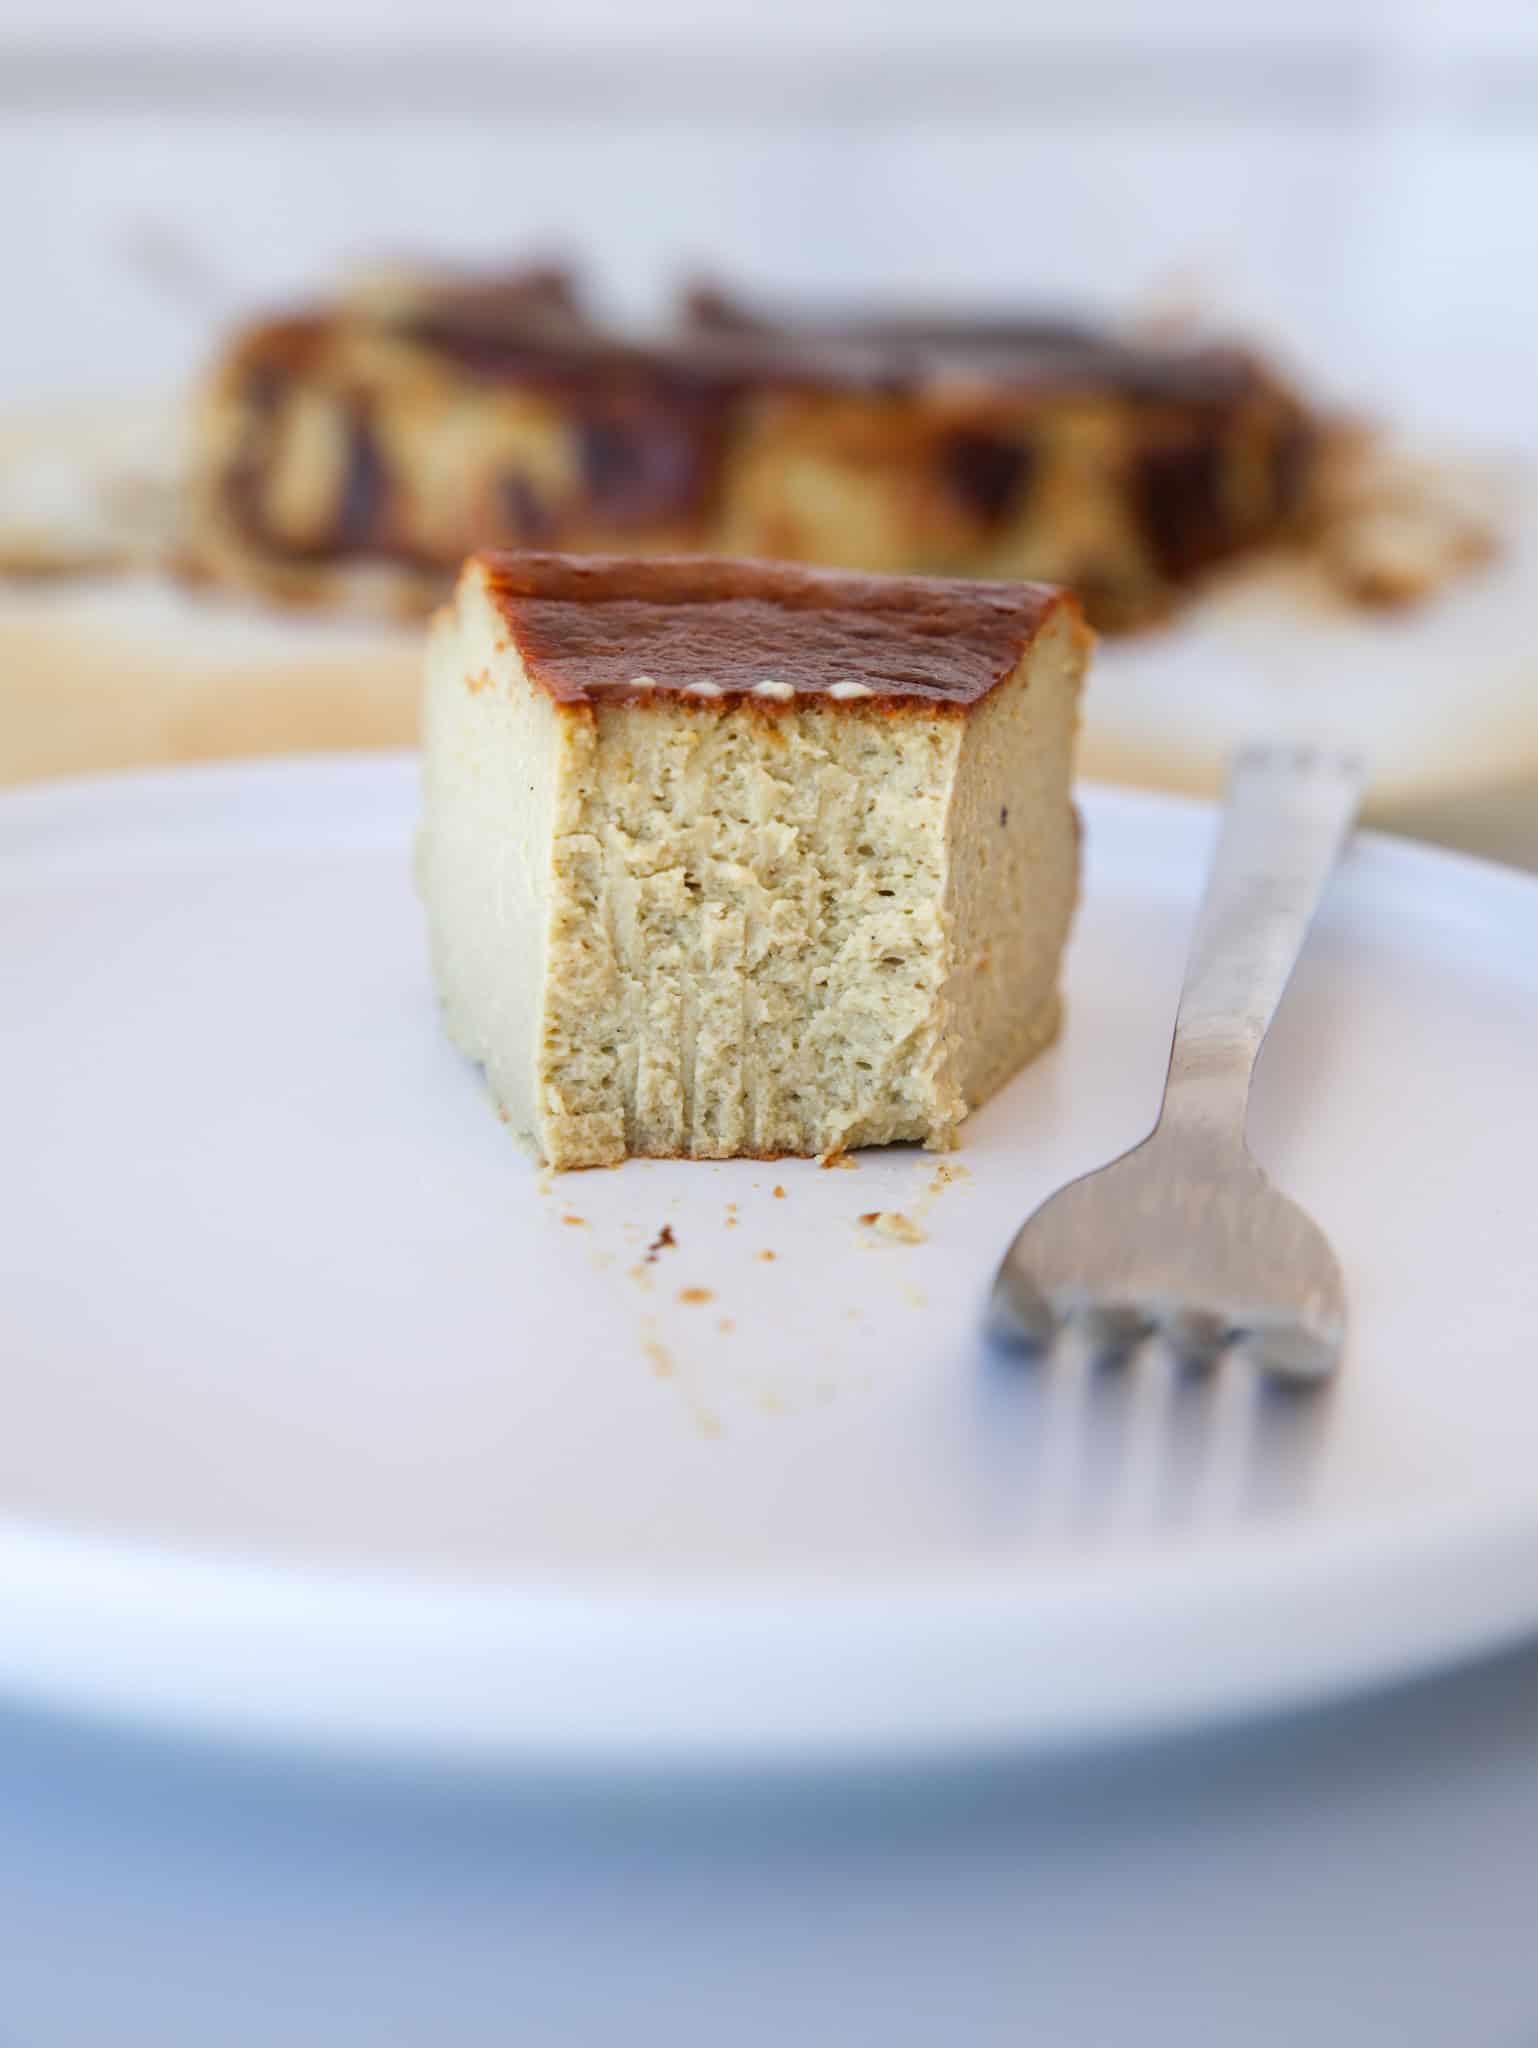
708 927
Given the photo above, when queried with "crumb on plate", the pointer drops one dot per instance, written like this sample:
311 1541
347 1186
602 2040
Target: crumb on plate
663 1241
894 1224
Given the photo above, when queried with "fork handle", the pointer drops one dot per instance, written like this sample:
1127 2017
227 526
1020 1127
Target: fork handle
1288 814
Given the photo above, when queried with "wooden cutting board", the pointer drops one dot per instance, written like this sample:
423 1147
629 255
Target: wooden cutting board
133 674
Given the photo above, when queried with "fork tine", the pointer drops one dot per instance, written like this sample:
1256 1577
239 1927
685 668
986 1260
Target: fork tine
1291 1351
1019 1316
1113 1329
1195 1335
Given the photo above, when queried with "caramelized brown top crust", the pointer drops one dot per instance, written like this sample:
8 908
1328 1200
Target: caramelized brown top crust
626 630
532 294
1016 352
714 365
706 308
530 327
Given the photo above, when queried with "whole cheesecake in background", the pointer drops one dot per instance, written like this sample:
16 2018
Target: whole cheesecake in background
368 446
723 857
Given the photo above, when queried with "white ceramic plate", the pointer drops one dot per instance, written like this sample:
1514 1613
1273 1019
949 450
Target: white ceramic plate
328 1418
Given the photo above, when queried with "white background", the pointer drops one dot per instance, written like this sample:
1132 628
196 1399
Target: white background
1357 181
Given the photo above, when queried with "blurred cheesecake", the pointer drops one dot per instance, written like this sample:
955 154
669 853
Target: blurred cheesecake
723 857
367 446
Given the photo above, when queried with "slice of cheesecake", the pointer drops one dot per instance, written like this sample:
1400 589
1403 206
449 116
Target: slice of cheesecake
727 857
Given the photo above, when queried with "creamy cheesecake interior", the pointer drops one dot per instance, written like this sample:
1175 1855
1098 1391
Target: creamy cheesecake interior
727 858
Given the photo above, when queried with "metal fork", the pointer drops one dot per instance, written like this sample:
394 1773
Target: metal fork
1184 1235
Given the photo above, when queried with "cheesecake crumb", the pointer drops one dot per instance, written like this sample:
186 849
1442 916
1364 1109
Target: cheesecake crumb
695 1294
779 1193
894 1224
579 1221
726 1326
662 1242
764 1255
661 1359
831 1159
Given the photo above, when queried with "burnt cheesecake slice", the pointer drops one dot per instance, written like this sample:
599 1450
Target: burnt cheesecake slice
371 445
724 857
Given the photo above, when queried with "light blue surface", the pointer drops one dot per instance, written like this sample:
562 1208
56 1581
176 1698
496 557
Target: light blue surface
1361 1876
